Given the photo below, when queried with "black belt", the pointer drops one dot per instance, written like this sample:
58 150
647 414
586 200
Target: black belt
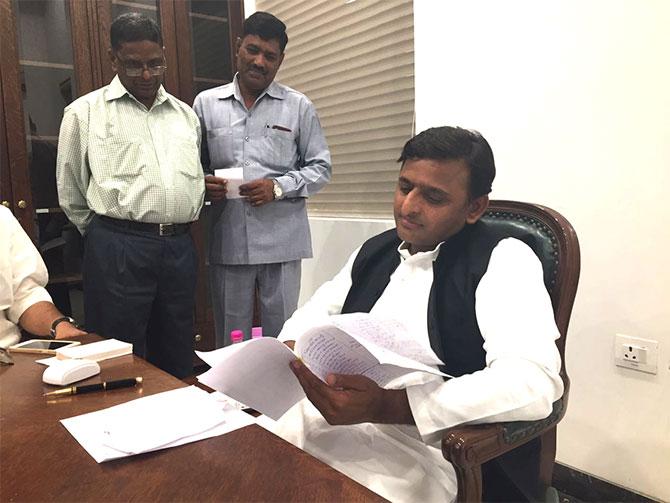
154 229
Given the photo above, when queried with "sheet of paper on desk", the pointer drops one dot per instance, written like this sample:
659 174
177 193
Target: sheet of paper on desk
154 422
235 178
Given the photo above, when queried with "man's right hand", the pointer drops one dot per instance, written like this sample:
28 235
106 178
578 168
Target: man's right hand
215 187
66 330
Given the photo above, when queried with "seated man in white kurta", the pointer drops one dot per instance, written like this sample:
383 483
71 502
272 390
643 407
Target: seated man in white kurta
475 300
24 302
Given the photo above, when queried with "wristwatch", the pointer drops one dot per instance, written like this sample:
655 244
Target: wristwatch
276 189
58 321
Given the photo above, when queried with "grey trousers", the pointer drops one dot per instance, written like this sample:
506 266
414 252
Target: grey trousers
233 288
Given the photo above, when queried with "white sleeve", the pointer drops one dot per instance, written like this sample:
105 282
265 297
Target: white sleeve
521 378
28 272
326 301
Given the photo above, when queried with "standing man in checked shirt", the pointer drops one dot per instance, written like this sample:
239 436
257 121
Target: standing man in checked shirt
273 133
129 177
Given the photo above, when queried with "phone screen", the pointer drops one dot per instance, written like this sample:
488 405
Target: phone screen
44 344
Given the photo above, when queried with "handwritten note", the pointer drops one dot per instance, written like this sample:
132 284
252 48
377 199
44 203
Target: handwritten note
257 372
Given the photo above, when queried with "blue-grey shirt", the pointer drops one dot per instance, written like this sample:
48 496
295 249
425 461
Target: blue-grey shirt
279 137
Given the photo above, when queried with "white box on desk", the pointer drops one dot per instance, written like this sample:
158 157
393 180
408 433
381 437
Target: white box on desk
96 351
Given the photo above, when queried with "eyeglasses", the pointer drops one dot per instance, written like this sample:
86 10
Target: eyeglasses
133 69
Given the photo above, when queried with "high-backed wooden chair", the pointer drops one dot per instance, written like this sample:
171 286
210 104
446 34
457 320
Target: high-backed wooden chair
469 448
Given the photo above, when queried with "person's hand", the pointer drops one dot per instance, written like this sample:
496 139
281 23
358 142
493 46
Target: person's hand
216 188
258 192
352 399
66 330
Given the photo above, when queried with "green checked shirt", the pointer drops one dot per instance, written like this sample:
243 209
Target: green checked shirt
118 159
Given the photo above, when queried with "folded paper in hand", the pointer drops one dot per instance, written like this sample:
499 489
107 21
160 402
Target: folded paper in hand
235 178
257 372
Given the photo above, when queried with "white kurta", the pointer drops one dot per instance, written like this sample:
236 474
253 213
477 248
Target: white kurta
23 276
520 381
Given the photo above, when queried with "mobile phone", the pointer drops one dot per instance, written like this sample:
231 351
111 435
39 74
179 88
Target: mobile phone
41 346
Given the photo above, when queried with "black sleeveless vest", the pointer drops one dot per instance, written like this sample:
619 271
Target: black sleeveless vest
452 325
460 265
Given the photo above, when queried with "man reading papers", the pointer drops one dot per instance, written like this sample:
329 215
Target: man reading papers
475 301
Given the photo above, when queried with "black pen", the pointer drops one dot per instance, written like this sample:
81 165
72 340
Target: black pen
103 386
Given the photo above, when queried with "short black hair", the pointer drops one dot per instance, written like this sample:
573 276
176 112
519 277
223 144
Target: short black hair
134 27
266 26
454 143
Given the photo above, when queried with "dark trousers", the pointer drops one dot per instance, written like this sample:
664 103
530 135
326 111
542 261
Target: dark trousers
140 288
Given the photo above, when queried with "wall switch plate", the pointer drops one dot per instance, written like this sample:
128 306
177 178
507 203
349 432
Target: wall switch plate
635 353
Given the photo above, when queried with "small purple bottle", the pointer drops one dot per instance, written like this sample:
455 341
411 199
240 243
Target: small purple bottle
256 332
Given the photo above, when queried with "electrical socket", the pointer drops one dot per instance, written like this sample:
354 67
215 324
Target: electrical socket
636 353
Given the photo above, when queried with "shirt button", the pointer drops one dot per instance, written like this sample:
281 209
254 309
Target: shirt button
246 138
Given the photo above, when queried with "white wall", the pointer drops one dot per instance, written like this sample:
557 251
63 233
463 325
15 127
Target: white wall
574 97
249 7
334 240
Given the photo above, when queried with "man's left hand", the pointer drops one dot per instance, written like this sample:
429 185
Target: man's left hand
353 399
258 192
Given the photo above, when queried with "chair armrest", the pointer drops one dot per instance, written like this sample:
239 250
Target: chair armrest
471 446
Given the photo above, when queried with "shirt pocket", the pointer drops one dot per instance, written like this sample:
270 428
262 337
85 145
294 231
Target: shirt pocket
184 154
220 145
115 162
279 146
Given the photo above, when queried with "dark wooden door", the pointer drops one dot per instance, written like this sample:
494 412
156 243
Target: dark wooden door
45 64
53 51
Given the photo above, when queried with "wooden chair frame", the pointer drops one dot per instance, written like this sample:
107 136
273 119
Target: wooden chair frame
468 447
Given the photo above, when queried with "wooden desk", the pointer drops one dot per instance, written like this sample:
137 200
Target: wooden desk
41 461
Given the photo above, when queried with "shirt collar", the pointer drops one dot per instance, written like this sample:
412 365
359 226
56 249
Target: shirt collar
274 90
116 90
405 255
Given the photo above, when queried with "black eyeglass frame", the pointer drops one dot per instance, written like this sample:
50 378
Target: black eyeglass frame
154 71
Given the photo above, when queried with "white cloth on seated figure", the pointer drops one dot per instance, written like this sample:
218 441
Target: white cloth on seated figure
520 382
390 460
23 277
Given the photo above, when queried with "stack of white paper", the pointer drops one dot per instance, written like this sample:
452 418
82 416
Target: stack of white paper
155 422
257 372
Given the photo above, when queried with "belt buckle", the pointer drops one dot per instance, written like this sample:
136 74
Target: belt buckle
166 229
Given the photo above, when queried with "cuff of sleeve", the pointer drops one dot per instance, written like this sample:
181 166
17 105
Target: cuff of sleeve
37 294
291 188
423 411
430 416
284 183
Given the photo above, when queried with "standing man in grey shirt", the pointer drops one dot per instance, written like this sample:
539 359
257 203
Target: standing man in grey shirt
129 177
273 133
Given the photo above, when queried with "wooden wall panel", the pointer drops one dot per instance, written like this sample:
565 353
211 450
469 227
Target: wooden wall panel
83 56
5 180
13 114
